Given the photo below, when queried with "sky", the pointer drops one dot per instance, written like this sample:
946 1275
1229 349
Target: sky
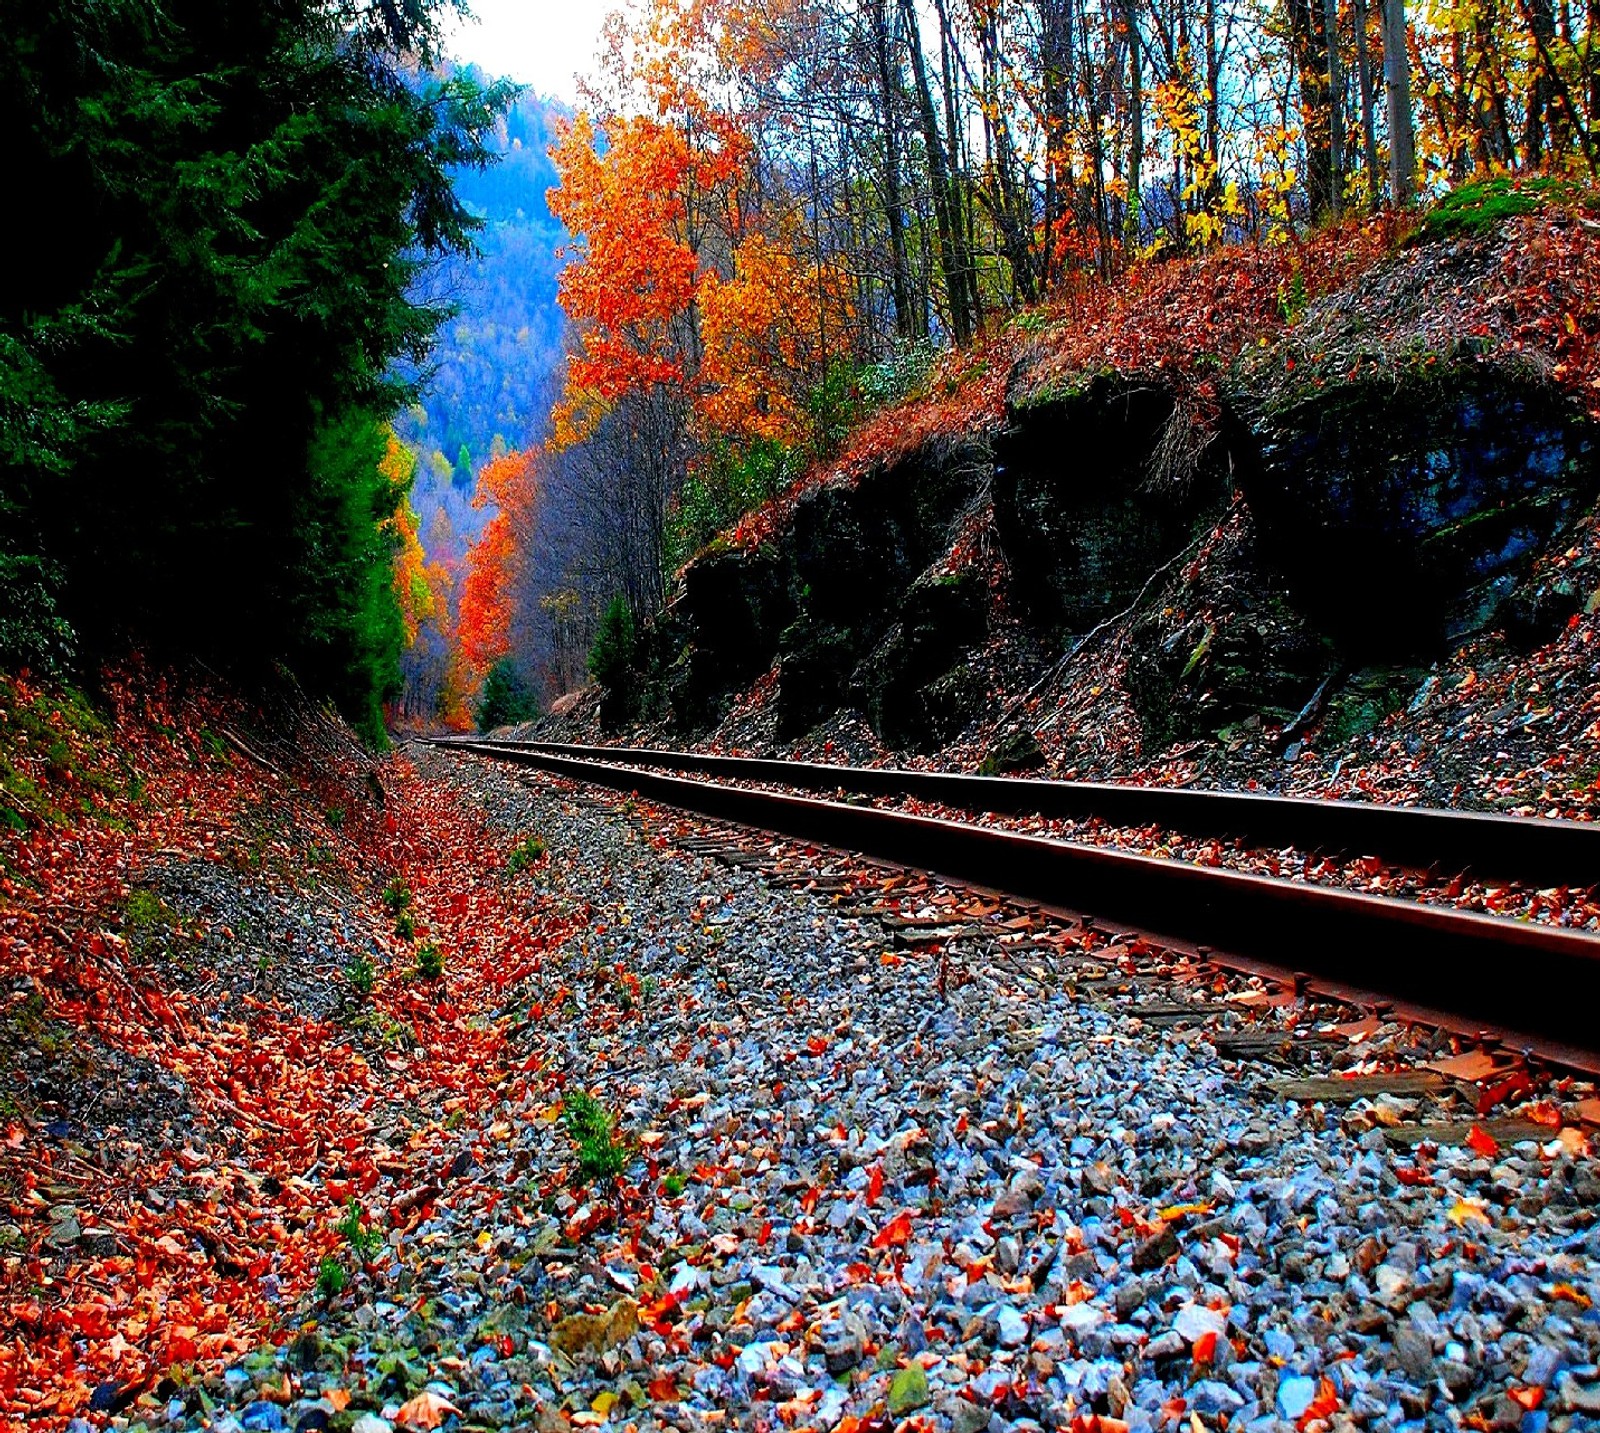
541 43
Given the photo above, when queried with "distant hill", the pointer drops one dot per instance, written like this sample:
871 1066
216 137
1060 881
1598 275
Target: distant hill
488 381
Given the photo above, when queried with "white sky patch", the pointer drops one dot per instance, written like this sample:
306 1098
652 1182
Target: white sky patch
544 44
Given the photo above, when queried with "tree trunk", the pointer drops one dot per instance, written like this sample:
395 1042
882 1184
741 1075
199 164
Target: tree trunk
939 180
1136 126
1330 23
1397 94
1369 127
905 317
1308 38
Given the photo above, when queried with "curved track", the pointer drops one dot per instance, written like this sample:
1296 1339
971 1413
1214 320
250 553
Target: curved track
1534 987
1520 848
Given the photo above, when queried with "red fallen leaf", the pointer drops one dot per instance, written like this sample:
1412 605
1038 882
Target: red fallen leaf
1529 1398
1517 1084
810 1199
1411 1175
1571 1295
817 1044
1324 1405
663 1389
1095 1423
765 1236
1480 1141
1205 1348
875 1184
896 1231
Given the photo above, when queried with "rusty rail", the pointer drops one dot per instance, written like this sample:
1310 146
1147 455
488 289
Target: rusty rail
1535 986
1523 848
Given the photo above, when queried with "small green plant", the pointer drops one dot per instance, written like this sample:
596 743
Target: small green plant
527 852
144 911
214 744
405 926
430 961
362 975
397 896
1292 297
335 815
331 1277
601 1156
364 1241
674 1184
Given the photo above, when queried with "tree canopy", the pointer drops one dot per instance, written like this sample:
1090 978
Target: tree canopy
229 205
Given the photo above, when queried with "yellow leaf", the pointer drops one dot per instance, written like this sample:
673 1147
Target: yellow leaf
604 1402
1466 1209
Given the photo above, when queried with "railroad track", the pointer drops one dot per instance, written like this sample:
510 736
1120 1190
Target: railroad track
1533 988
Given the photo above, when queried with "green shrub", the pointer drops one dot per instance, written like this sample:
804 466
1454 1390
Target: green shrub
397 896
331 1277
527 852
362 975
365 1242
611 662
674 1184
601 1156
405 926
335 815
507 698
430 961
611 657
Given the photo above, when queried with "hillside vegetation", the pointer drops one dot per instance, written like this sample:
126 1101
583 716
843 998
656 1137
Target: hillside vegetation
1236 509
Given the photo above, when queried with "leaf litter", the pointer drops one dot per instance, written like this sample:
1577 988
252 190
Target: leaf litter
864 1184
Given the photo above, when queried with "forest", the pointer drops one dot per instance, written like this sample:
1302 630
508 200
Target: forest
783 214
200 340
292 291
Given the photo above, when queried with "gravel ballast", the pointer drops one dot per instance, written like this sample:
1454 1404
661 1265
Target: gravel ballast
875 1183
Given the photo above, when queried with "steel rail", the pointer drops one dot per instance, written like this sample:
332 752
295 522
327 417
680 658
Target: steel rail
1537 987
1531 849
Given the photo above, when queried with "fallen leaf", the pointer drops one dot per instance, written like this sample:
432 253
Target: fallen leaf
426 1410
896 1231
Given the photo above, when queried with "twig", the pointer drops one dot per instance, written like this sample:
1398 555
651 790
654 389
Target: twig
1065 661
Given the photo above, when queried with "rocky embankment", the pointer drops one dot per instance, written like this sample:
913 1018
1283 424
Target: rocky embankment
1214 567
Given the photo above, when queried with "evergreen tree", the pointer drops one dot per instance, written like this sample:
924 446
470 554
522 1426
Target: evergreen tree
200 314
506 698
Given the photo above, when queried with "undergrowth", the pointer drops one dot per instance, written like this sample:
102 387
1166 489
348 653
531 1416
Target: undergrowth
53 764
601 1156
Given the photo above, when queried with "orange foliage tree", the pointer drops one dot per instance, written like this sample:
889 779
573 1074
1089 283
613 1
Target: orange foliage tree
491 589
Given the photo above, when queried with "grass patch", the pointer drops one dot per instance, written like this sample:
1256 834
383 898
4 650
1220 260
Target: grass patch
53 763
1484 204
526 853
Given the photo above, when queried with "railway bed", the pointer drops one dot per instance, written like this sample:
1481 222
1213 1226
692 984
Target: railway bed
1532 989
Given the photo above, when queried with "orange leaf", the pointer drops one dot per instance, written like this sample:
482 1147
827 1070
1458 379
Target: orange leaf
426 1410
1529 1398
1205 1348
875 1184
664 1389
1480 1141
